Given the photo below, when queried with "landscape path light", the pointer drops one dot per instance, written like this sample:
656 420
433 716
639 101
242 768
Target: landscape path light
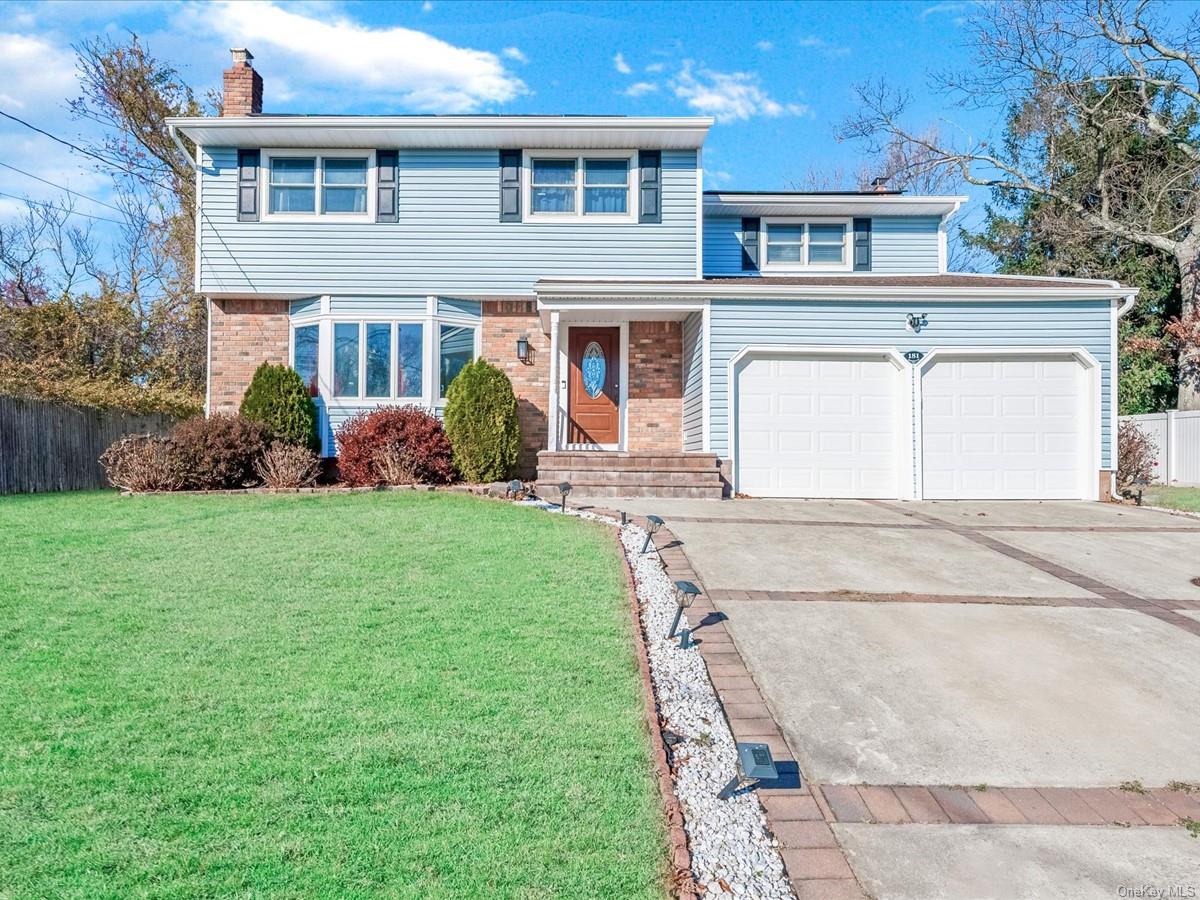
564 488
515 487
754 763
653 523
685 595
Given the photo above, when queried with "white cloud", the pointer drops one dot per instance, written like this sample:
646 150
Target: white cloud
620 64
765 46
423 72
822 45
717 176
942 8
639 88
34 72
729 96
514 53
656 67
426 6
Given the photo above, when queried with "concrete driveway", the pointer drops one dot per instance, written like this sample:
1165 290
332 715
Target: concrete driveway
967 685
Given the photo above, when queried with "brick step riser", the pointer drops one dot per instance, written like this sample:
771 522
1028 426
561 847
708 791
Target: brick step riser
667 491
699 479
625 454
640 464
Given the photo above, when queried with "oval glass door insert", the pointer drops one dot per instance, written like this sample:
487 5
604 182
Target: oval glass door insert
594 370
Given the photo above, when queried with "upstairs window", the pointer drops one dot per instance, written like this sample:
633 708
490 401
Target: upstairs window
818 245
583 187
334 186
293 185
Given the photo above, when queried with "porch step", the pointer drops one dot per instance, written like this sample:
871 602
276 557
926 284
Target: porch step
599 473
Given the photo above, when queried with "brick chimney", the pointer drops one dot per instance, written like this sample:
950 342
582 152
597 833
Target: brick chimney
243 86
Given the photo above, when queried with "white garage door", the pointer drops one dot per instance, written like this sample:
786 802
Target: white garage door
820 427
1005 428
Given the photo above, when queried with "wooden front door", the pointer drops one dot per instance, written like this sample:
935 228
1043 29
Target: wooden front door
593 404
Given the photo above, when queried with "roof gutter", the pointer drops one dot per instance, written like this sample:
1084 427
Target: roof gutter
182 149
1127 305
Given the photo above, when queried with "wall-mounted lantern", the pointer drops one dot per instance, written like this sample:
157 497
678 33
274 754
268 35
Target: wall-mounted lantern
914 322
524 351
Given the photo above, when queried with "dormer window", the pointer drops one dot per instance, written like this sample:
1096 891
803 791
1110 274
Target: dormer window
807 244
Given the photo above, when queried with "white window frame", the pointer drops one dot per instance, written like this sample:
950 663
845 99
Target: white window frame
580 156
453 321
394 323
318 186
847 264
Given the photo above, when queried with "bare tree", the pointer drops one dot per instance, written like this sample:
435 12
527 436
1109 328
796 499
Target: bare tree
43 255
1083 76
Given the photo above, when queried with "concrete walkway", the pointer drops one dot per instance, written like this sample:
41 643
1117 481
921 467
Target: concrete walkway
1043 651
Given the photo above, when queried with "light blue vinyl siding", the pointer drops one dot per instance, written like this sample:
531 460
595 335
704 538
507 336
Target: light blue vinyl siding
693 382
451 306
385 307
904 245
899 245
736 324
311 306
448 239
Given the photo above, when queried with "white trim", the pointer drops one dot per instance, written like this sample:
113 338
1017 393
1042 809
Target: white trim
632 181
197 253
699 208
707 375
208 359
595 289
804 266
319 155
1114 371
552 430
733 203
1091 482
943 247
767 350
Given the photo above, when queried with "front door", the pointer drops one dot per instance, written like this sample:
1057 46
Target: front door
593 405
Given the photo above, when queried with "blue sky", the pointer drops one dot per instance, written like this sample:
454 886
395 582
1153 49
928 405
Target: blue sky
778 76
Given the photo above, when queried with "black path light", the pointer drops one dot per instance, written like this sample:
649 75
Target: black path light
685 595
564 488
515 487
1141 482
754 764
653 523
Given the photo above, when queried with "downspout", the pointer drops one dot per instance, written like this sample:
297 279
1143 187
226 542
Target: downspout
182 149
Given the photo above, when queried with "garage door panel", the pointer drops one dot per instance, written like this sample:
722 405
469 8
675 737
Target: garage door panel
836 423
1004 429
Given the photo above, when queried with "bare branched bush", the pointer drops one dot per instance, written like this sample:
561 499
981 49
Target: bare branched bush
143 462
284 465
1135 455
396 464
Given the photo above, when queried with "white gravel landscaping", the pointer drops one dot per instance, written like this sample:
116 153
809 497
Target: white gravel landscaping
728 839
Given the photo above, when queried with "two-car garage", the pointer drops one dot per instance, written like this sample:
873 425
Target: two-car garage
947 424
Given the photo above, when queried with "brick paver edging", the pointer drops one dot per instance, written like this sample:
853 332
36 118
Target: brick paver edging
988 805
815 863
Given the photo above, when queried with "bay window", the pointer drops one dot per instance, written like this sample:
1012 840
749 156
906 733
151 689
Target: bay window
345 359
378 359
306 355
456 348
410 360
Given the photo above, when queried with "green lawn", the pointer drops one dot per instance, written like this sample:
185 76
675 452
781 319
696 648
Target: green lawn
1184 498
398 694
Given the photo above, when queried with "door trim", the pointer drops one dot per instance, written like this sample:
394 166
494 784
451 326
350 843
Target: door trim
1092 370
905 458
564 364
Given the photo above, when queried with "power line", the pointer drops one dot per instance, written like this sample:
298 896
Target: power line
69 212
61 187
76 147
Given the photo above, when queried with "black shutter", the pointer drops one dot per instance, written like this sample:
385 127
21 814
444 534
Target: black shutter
862 245
750 228
386 162
650 176
510 185
248 185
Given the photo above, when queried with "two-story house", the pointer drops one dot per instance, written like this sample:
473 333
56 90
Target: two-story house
801 344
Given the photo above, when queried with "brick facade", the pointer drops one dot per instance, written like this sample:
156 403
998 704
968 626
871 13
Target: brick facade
503 322
655 386
243 335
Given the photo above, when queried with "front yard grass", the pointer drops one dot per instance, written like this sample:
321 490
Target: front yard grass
1183 498
406 694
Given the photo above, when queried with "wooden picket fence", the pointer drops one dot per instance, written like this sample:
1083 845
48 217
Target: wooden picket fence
46 446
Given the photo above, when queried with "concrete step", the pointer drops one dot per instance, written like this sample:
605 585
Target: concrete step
641 462
697 477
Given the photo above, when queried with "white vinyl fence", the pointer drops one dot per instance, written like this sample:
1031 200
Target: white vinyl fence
1177 436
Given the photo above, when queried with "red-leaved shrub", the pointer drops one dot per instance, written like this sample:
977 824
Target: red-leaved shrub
219 452
392 434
